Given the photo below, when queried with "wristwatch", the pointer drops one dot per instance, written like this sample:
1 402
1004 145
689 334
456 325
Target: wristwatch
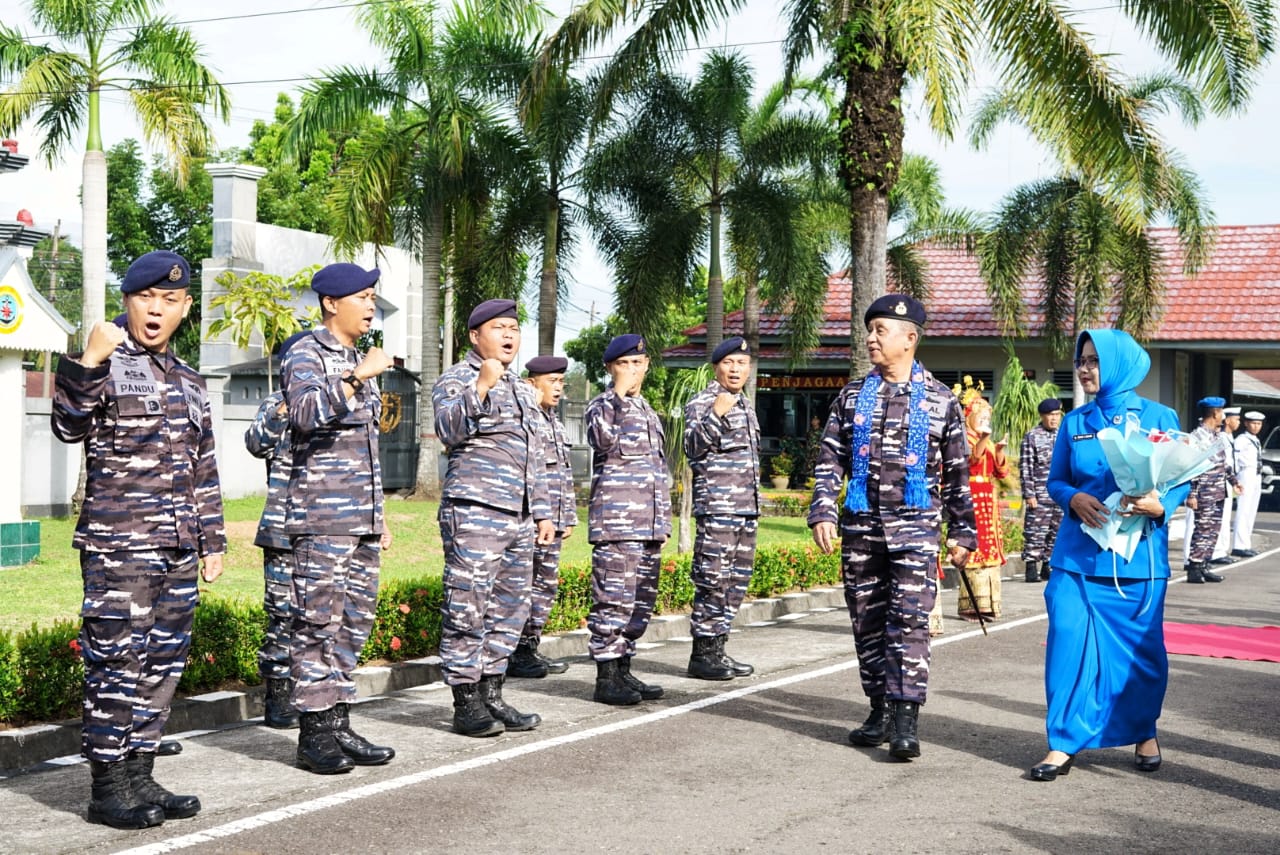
355 382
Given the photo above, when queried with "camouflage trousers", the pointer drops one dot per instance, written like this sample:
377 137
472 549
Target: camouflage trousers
1207 522
135 631
890 595
1040 530
335 592
277 574
488 565
723 555
542 593
624 587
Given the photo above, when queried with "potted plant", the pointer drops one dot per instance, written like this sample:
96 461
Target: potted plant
780 470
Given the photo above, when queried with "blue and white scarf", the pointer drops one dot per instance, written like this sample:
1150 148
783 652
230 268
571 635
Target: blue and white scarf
917 491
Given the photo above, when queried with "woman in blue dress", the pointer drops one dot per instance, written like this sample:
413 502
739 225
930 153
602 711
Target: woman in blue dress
1105 665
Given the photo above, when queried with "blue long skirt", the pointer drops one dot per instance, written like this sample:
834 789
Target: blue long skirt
1106 669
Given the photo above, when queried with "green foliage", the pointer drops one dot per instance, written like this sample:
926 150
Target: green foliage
407 620
781 464
1016 405
293 194
225 636
1013 535
261 304
10 683
788 506
50 672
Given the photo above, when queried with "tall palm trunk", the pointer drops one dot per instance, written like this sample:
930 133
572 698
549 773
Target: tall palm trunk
428 477
548 290
94 239
871 132
751 325
715 284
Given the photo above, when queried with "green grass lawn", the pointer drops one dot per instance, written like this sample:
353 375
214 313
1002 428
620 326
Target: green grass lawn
48 589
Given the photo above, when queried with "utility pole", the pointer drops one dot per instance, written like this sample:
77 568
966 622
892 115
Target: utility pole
46 376
586 381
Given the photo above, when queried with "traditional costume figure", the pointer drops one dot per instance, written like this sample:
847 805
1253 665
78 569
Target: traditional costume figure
987 465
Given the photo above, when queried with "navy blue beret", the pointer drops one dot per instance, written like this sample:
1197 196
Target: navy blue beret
900 306
343 280
1212 403
546 365
159 269
490 309
623 345
737 344
1049 405
289 342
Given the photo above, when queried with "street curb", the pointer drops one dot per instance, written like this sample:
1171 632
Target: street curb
59 742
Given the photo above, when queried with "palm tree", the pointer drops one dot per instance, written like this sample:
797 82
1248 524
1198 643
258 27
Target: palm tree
412 180
1075 100
106 45
1080 240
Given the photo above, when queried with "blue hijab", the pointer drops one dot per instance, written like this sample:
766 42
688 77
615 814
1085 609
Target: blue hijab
1122 365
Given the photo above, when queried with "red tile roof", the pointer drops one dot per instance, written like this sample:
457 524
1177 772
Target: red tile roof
1234 297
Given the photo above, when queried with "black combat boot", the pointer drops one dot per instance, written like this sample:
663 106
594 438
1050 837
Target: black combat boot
318 749
524 662
140 767
554 666
705 664
611 688
361 751
1044 571
648 691
875 730
114 802
1033 572
1195 572
739 669
511 718
903 743
277 711
470 716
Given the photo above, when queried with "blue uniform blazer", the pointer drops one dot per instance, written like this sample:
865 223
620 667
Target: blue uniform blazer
1079 465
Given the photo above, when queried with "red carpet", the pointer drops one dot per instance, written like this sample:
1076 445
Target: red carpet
1254 643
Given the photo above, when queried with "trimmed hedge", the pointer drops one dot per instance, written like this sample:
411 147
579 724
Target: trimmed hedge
42 677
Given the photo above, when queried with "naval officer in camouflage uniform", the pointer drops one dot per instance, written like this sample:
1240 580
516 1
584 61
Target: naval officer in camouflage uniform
268 438
152 513
629 520
722 444
898 436
1041 516
494 508
333 515
546 376
1209 492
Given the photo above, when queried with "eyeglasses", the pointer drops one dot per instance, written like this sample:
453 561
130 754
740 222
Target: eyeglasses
1087 362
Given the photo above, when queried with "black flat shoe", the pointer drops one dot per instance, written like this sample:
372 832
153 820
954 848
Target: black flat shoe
1223 561
1244 553
1145 763
1050 771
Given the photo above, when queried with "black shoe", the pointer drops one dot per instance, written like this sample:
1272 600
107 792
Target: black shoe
140 767
169 748
276 711
554 666
361 751
470 715
704 664
1244 553
1032 572
1050 771
1144 762
524 661
648 691
114 802
875 730
903 744
1224 561
512 719
739 669
1210 576
1195 572
611 688
318 749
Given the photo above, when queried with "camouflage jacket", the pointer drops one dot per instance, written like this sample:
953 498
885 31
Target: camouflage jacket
555 448
947 471
269 439
724 454
335 480
630 485
495 448
151 477
1033 463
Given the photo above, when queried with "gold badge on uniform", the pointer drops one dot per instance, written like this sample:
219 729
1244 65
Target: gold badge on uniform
900 308
176 273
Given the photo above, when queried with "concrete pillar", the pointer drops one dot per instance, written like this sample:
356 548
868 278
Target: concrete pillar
12 401
235 250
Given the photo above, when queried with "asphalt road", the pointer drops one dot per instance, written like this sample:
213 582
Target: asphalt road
754 765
